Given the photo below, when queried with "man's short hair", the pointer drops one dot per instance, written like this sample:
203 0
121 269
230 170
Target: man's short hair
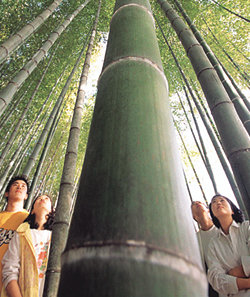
15 178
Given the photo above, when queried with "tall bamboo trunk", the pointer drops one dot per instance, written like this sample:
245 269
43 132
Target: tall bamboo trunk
234 137
18 38
239 105
62 219
126 237
7 93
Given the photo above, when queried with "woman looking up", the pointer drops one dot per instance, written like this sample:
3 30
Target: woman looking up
25 262
229 250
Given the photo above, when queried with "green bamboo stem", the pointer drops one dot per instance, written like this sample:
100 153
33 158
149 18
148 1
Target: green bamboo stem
234 137
16 40
235 98
125 230
7 93
43 136
210 119
206 159
191 163
225 8
192 131
62 219
26 109
246 101
244 75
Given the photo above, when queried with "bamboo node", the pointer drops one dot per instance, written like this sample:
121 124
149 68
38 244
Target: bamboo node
5 49
136 5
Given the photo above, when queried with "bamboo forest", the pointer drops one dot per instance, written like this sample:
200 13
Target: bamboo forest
125 112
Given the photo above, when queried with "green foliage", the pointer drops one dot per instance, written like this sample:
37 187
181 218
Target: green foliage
231 32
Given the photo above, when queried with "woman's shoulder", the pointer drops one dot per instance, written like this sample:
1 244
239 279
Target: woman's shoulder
23 227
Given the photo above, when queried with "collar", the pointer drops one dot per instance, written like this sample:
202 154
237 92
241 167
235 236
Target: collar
233 225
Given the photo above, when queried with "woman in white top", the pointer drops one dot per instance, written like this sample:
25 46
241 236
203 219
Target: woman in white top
229 250
25 262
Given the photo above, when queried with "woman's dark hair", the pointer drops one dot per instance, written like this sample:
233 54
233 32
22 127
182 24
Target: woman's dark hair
31 219
237 215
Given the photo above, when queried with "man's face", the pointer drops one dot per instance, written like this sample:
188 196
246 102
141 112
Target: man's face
17 192
199 210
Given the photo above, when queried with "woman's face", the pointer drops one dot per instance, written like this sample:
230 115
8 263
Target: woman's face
42 204
221 207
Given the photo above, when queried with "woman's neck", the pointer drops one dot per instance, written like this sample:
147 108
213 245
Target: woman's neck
41 219
225 223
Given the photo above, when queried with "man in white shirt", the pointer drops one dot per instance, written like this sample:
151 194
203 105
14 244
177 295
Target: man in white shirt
206 231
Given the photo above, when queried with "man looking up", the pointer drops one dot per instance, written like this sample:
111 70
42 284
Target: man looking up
16 192
206 231
206 227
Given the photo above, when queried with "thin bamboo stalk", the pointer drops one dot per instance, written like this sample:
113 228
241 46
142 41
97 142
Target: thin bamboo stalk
26 109
62 219
191 163
53 114
7 93
235 98
238 15
18 38
235 139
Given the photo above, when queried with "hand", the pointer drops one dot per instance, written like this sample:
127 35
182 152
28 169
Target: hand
237 272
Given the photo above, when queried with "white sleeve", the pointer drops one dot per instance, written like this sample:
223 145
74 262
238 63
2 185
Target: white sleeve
245 260
11 261
217 276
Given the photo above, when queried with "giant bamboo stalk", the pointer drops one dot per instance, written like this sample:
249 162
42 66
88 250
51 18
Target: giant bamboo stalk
234 137
239 105
126 238
18 38
7 93
62 219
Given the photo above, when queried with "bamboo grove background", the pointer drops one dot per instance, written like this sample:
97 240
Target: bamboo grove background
46 52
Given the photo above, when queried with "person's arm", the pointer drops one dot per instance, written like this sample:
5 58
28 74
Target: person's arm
243 283
13 289
243 271
237 272
11 266
217 276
